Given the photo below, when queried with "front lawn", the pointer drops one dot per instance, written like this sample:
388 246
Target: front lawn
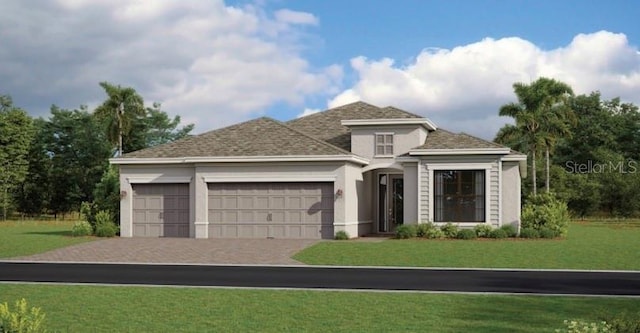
22 238
589 245
158 309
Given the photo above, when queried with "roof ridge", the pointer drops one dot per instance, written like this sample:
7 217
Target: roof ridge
311 137
481 139
403 110
319 113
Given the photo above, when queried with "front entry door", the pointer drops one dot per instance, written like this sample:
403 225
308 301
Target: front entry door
390 202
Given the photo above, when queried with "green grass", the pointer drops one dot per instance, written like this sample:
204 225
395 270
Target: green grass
21 238
590 245
154 309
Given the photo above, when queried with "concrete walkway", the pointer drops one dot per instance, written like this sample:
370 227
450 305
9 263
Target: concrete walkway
180 250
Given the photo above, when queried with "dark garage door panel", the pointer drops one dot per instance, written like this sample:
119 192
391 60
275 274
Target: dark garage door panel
278 210
161 210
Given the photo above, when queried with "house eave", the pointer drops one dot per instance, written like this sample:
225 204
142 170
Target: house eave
424 122
240 159
463 151
522 162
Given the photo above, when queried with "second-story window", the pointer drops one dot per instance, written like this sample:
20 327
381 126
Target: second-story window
384 144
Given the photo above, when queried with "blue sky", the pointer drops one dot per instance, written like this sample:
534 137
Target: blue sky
218 62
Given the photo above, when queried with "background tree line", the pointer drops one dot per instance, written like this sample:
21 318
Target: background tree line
53 165
584 149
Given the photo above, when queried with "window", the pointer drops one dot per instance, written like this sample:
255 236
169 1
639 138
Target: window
459 195
384 144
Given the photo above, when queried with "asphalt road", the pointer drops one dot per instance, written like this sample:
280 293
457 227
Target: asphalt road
496 281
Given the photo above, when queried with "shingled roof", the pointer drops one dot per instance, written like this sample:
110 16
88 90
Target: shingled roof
259 137
443 139
327 125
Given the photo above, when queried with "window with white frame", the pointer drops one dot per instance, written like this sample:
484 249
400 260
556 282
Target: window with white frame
384 144
459 195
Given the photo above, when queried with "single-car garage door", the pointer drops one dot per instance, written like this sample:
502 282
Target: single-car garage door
271 210
161 210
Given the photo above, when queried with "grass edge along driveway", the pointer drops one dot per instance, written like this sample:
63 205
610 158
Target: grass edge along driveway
74 308
23 238
588 246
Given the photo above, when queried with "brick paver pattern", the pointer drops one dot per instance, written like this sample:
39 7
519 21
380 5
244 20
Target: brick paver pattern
180 250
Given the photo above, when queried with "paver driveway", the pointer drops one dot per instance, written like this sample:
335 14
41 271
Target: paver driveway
180 250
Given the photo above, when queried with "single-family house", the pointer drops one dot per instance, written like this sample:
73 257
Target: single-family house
358 167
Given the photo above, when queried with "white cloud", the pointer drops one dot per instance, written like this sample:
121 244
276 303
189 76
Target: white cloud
209 62
308 111
294 17
464 87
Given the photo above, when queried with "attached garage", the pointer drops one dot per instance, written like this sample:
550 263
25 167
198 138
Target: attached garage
160 210
271 210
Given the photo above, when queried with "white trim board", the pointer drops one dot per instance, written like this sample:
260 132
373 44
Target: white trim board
251 159
464 151
158 180
270 178
424 122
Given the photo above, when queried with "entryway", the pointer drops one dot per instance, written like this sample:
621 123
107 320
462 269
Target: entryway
390 201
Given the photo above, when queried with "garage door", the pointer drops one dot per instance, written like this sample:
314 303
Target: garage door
271 210
161 210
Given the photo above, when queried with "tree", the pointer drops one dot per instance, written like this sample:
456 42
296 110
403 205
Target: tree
32 196
79 156
536 116
16 133
122 106
107 193
595 128
153 129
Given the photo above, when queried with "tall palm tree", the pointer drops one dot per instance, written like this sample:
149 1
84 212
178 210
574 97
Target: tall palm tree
557 117
537 117
557 125
118 111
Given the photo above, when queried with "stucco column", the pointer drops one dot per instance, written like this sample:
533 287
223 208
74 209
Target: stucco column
410 193
201 206
126 207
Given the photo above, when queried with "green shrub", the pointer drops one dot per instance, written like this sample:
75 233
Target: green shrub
22 319
482 230
81 228
88 212
529 233
342 235
450 230
548 233
434 233
623 322
578 326
466 234
498 233
423 229
546 211
510 230
405 231
105 227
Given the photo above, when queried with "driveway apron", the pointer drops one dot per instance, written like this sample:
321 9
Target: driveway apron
180 250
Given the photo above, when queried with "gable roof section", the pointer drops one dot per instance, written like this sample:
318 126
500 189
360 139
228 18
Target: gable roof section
443 139
258 137
443 142
327 125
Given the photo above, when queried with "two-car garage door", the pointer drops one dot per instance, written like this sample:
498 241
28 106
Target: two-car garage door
271 210
237 210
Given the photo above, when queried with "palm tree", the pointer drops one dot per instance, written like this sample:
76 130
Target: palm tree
118 111
557 125
557 117
538 118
